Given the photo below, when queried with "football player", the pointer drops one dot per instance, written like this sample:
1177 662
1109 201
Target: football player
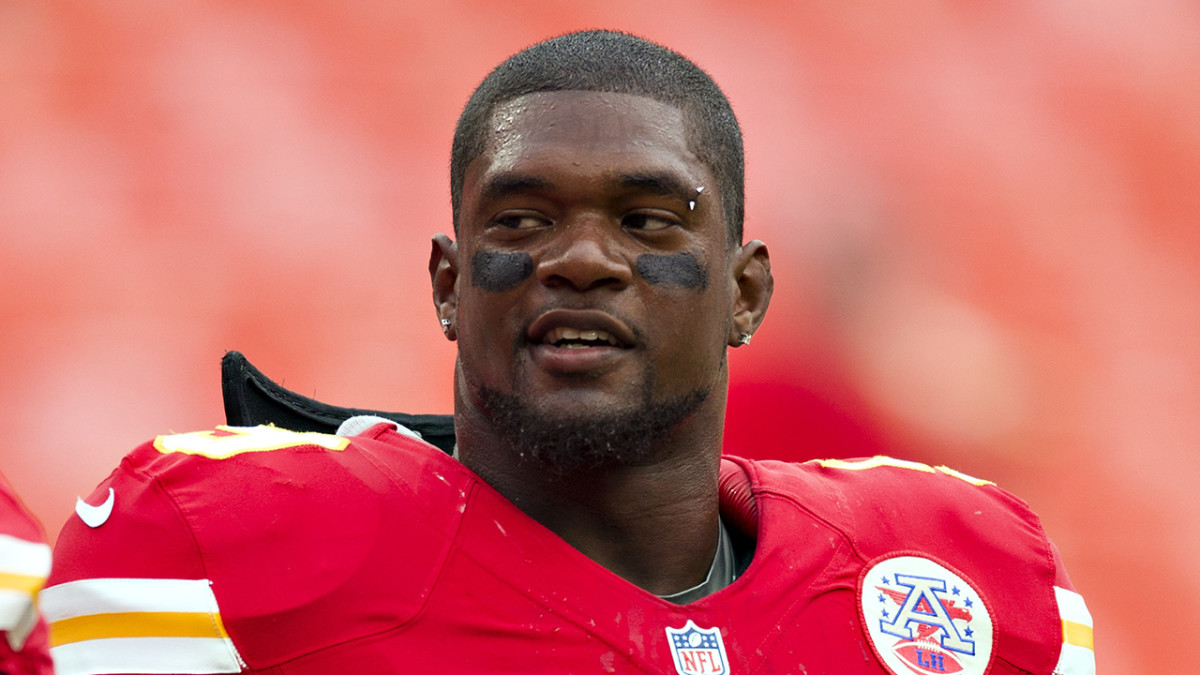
586 521
24 566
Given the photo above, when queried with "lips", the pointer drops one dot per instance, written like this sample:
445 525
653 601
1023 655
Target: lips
570 338
580 329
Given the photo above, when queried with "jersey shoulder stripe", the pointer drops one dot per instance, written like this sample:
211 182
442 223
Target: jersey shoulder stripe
24 566
101 626
1078 656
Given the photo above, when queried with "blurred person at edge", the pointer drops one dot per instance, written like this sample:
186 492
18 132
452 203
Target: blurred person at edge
24 566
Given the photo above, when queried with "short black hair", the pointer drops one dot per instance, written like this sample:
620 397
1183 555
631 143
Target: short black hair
616 62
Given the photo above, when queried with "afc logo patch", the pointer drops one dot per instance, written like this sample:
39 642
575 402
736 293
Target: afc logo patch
697 651
923 617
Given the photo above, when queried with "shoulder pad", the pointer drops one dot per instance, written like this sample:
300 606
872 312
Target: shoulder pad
255 531
252 398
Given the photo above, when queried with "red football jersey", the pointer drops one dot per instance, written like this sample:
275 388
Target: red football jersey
268 551
24 565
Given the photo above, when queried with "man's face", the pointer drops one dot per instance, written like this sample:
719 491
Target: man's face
593 270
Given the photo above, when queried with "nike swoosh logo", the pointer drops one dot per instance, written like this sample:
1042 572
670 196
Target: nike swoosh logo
95 516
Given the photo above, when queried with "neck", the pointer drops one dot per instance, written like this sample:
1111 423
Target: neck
653 523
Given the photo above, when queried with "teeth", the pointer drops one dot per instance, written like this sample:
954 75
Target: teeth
574 337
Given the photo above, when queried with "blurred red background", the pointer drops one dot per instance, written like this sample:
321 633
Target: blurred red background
982 220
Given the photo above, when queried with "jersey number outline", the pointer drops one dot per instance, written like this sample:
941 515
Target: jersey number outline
881 460
225 441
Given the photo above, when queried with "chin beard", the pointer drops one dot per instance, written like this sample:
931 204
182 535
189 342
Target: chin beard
573 442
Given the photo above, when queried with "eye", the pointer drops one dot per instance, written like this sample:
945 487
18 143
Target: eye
648 222
519 221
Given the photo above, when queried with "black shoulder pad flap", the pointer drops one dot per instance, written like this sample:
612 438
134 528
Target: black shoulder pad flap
252 398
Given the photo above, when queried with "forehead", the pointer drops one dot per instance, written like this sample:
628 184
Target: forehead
587 118
585 133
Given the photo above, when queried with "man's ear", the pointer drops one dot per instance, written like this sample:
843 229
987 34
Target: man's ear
443 275
751 284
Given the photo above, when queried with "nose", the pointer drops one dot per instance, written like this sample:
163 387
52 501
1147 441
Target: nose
584 255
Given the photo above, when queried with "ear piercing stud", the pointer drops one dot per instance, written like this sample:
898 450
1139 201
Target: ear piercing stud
745 338
445 325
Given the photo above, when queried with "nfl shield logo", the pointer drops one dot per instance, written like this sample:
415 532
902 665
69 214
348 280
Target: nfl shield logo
697 651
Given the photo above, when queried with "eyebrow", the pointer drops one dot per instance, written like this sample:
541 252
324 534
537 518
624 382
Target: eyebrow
660 183
506 184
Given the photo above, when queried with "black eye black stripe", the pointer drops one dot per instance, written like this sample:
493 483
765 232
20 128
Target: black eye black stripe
677 269
499 272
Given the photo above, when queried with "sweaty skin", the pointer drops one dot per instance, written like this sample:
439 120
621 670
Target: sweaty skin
594 192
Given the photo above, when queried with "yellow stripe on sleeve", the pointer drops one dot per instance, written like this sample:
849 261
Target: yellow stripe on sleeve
1077 634
136 624
21 583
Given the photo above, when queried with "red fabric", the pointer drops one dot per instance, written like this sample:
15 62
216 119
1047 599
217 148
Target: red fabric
32 659
389 556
